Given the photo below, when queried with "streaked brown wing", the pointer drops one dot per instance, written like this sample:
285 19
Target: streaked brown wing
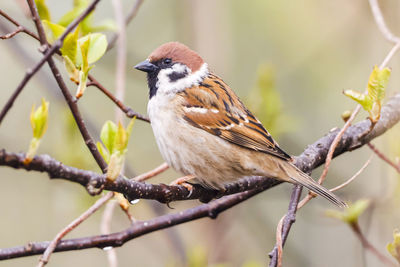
215 108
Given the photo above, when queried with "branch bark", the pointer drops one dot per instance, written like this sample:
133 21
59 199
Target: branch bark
311 158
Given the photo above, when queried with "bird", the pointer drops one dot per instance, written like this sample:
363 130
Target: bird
204 131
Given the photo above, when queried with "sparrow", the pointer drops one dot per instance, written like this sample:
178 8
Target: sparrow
203 129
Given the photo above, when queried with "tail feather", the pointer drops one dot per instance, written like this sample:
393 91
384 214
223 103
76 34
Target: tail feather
305 180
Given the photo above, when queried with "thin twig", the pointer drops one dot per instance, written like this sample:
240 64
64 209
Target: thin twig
131 15
378 17
13 21
12 34
61 84
353 177
311 158
335 143
367 245
384 157
390 55
78 118
307 198
147 175
127 110
138 229
119 94
49 52
121 55
105 229
53 244
279 241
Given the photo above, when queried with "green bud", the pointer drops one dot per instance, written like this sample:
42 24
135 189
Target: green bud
39 119
394 247
350 215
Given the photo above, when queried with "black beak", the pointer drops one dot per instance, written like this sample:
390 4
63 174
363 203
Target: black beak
146 66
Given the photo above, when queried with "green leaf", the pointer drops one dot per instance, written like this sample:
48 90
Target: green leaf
84 3
103 151
83 78
372 101
105 25
108 134
121 142
115 166
84 72
350 215
97 48
39 119
33 147
43 11
394 247
377 83
130 126
68 17
364 100
70 45
52 30
71 69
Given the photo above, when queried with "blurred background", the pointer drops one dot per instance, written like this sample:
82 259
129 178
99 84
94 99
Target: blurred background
289 62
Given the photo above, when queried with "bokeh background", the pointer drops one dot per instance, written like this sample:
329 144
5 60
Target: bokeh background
288 60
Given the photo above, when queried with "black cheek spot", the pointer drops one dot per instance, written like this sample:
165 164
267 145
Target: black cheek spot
174 76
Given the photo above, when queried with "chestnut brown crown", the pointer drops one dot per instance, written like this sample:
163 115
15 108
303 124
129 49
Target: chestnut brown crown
177 52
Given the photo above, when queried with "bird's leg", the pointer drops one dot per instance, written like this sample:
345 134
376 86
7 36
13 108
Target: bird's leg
183 182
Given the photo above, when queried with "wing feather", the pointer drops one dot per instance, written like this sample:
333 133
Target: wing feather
215 108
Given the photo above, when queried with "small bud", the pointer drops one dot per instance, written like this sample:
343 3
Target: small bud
115 166
346 115
123 202
39 123
350 215
394 247
39 119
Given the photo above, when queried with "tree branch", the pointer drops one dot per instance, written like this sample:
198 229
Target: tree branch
53 49
311 158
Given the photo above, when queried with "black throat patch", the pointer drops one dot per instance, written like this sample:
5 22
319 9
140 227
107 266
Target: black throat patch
152 81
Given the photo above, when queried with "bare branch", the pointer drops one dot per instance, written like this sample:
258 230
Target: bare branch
138 229
56 45
121 55
19 26
127 110
353 177
12 34
49 250
131 15
376 11
367 245
311 158
147 175
57 75
384 157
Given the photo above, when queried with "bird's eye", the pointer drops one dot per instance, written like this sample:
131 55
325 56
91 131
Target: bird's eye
167 61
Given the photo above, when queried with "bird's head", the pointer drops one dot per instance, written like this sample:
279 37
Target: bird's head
172 67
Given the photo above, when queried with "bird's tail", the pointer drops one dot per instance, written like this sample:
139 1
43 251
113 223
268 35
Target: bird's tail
299 177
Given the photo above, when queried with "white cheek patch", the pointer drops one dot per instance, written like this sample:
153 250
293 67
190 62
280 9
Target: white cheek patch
166 86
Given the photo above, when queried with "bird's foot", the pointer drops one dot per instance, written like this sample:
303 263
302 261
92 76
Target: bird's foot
183 181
